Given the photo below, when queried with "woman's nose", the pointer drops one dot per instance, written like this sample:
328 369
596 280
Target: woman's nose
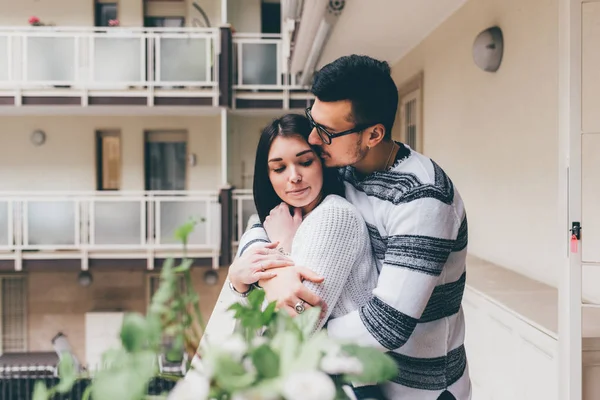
295 176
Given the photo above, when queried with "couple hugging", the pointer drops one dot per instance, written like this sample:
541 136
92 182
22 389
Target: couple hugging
364 227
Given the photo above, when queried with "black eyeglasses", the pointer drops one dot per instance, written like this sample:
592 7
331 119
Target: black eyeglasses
327 136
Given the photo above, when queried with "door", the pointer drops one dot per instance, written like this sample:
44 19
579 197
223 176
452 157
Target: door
166 155
579 124
410 111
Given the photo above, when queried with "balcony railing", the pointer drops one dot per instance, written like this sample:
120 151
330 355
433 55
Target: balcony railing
101 224
243 208
112 58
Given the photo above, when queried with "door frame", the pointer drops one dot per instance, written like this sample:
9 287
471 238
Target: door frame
570 371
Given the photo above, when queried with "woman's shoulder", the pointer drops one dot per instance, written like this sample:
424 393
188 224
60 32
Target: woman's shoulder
339 206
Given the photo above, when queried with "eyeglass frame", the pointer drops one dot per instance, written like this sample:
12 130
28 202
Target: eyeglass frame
330 136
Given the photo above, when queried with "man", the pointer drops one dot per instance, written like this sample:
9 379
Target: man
418 230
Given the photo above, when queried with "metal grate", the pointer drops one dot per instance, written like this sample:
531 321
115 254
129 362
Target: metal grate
14 314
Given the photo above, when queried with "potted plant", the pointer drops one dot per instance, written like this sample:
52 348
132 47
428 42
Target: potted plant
270 356
35 21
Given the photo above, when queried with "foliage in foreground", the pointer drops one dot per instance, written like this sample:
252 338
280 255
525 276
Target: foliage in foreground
269 356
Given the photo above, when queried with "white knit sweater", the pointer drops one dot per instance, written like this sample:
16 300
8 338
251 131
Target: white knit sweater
333 241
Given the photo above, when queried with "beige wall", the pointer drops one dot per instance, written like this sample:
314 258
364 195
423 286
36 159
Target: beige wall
58 304
212 8
244 132
496 134
16 13
245 15
67 161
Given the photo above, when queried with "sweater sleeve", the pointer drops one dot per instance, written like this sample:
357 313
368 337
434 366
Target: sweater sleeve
421 237
254 234
330 243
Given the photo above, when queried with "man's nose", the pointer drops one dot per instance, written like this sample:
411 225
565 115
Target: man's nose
314 137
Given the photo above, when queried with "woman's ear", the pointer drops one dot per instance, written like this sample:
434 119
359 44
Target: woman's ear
376 134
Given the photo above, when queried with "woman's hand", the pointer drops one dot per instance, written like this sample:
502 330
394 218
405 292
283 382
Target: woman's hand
281 226
255 264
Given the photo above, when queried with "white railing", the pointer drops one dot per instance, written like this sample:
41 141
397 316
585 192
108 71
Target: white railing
111 58
243 208
261 63
104 223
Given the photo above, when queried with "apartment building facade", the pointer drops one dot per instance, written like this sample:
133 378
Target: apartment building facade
121 120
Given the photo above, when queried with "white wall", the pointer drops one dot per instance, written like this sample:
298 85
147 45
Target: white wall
67 161
496 134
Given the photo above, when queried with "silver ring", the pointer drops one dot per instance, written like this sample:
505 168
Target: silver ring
262 268
299 307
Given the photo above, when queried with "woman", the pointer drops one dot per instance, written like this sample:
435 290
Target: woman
291 187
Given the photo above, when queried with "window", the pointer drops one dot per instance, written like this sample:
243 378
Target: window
164 22
166 160
104 12
14 313
108 149
409 125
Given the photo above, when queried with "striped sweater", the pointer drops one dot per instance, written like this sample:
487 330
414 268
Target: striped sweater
418 228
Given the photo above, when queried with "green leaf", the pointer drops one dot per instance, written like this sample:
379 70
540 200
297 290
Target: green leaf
269 313
184 231
307 321
256 298
175 352
231 375
185 266
134 332
126 380
377 366
311 352
266 362
40 392
66 373
287 345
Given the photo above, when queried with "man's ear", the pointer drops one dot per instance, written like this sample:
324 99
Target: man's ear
376 134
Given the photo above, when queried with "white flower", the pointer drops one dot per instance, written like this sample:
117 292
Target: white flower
308 385
249 365
335 365
235 346
259 341
195 386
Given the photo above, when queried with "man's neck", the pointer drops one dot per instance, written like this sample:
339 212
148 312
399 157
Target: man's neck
378 158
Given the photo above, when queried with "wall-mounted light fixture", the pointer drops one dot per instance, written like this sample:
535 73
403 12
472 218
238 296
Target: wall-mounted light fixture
488 49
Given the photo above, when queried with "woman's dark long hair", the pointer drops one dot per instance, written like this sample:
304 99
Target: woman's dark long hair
265 198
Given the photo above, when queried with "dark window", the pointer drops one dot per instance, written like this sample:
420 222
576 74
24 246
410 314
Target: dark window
271 17
105 12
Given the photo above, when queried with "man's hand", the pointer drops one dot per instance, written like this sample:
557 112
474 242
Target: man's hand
287 289
281 226
255 264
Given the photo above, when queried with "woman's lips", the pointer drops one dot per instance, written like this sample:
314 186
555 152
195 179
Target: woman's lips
298 192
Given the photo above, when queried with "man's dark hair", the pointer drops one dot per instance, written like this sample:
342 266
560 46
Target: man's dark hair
289 125
366 83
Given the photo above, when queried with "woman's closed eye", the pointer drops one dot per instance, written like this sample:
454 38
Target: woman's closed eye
306 163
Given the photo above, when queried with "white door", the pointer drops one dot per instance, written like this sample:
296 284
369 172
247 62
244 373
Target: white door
579 95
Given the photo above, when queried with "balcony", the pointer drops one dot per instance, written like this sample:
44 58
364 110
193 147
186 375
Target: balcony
107 225
261 76
114 66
